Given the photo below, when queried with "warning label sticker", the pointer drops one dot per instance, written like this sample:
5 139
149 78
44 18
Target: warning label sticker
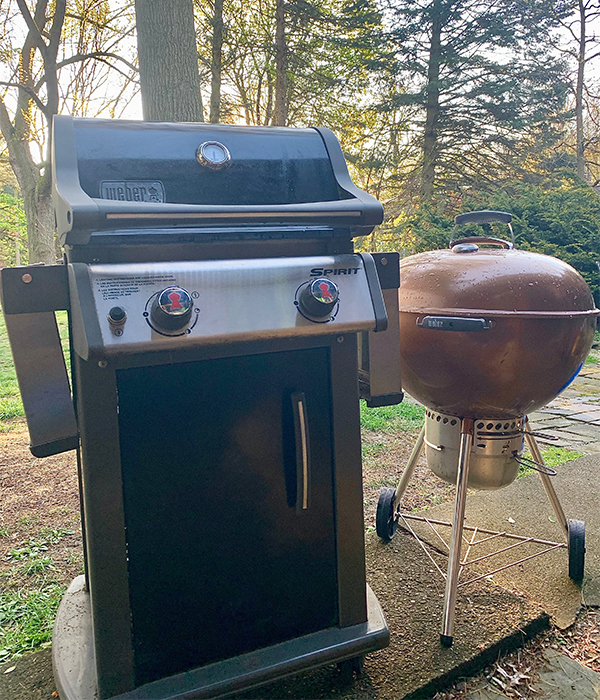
113 288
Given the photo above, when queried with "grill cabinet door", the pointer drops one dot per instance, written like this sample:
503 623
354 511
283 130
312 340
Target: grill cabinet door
221 558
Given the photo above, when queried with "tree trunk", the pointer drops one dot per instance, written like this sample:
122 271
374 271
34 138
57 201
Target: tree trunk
36 191
432 105
580 138
216 63
44 33
168 61
280 116
42 245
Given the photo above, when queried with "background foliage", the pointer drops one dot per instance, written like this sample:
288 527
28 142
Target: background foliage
559 216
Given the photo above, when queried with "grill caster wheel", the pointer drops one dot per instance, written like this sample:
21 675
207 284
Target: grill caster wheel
576 549
386 520
349 669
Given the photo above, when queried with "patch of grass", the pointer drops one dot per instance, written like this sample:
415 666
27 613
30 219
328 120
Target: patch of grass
76 558
33 547
35 566
372 449
9 427
9 389
11 407
385 481
26 619
54 535
27 520
553 456
403 417
31 550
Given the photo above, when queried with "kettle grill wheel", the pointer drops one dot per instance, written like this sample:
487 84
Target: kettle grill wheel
576 550
386 520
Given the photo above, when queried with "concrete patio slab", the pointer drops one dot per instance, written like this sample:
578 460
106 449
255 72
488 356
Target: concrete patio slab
585 430
522 508
489 620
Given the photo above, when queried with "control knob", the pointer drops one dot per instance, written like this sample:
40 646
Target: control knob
172 308
318 298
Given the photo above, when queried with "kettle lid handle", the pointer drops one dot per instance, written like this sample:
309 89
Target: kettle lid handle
483 217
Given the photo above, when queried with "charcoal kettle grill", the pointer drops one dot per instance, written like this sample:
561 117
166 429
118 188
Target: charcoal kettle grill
488 335
214 302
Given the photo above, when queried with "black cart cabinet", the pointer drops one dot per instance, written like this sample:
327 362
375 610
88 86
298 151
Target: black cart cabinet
215 302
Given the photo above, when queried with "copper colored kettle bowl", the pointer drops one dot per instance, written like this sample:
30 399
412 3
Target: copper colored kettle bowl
491 332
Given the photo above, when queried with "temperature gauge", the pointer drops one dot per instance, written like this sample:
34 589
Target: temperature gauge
213 155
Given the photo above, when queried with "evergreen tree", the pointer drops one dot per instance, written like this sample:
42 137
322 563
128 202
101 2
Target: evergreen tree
329 52
487 87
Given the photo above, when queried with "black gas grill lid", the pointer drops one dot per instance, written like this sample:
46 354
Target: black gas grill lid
111 175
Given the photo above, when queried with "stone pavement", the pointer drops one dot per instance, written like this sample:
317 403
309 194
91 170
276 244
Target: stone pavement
561 678
574 416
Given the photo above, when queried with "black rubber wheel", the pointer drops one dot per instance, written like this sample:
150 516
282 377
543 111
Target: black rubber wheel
350 669
386 521
576 549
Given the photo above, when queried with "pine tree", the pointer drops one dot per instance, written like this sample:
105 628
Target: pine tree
485 83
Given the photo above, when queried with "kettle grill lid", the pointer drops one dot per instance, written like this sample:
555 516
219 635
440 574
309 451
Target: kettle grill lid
492 283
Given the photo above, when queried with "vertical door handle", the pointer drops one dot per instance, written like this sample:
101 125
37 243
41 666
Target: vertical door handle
302 450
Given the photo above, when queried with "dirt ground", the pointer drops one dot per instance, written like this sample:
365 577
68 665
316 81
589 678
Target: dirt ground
40 496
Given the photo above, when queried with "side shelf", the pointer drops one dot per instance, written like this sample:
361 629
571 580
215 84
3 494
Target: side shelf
30 295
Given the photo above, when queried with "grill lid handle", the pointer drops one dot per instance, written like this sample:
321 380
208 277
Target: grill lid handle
483 217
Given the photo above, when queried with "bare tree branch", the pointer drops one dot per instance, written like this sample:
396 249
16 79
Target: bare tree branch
29 91
34 30
95 54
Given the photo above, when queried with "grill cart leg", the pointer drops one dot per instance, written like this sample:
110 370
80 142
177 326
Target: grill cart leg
466 442
386 520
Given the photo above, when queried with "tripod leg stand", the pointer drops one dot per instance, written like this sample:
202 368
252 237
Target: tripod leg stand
546 481
466 442
409 469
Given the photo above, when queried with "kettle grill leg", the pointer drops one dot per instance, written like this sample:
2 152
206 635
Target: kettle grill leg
546 481
409 469
466 442
388 505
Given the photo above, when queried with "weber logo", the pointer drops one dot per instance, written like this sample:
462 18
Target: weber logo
435 323
323 271
133 191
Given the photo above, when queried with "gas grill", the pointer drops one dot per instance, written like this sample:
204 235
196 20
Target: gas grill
214 301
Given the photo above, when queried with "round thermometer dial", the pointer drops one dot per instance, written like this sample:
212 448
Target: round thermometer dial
213 155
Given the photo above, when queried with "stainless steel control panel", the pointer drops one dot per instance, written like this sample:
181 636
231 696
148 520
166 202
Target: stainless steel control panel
150 306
